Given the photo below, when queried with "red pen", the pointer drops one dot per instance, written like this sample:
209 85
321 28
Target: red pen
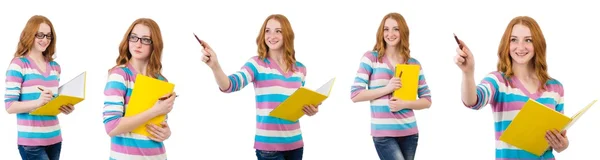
458 42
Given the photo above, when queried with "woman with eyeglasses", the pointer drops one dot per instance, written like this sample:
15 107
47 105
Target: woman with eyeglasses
140 52
32 79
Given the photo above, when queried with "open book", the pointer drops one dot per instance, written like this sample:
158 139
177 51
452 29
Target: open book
528 129
71 92
409 77
146 92
291 108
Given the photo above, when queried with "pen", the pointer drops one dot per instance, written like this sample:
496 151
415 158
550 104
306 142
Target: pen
43 90
457 41
197 38
164 98
399 76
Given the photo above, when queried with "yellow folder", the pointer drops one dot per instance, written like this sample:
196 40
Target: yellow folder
146 92
410 81
71 92
528 129
291 108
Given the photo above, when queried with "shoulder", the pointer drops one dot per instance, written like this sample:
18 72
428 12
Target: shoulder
496 78
121 71
412 60
300 67
554 85
55 65
371 55
20 61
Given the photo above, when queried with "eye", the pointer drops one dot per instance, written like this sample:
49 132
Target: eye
278 31
146 40
385 29
513 40
396 29
267 31
529 40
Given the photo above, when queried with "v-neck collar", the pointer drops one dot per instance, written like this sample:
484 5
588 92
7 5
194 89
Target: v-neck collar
274 64
36 67
133 71
389 63
535 95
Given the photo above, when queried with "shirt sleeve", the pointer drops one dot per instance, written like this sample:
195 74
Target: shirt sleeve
423 91
114 98
243 77
365 68
487 90
14 79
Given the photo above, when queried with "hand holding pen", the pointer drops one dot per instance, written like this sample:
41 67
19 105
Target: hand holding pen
464 58
165 104
394 83
208 55
45 97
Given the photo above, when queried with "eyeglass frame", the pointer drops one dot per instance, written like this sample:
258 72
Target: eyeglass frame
131 37
40 35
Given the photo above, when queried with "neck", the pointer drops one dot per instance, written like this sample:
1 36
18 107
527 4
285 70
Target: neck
393 53
36 55
277 55
139 65
523 71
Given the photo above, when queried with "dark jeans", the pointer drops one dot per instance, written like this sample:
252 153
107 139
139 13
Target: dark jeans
280 155
51 152
396 148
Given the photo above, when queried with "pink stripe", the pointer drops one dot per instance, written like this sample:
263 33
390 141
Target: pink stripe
14 79
278 147
393 115
36 123
369 55
119 72
267 105
356 92
19 62
137 151
111 125
41 82
39 141
114 92
384 76
251 76
394 133
7 104
363 71
498 134
278 83
278 127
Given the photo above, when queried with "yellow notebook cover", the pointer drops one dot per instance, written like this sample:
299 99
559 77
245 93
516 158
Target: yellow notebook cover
291 108
71 92
146 92
528 129
410 81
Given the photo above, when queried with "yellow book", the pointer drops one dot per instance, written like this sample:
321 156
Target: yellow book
410 81
71 92
528 129
146 92
291 108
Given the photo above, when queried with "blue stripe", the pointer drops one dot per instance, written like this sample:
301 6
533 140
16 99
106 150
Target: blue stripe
111 119
382 70
136 143
27 116
521 154
366 66
280 140
386 109
113 103
272 76
29 96
271 98
234 81
28 77
115 85
560 107
360 80
13 88
272 120
501 125
393 126
39 135
14 73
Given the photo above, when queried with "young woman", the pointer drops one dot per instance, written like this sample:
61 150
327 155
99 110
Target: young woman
522 74
32 79
393 123
273 73
139 53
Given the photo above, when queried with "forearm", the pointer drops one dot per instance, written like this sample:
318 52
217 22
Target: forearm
421 103
128 124
468 90
221 78
21 107
370 94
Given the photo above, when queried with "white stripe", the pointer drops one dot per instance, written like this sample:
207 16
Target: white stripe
35 89
263 112
114 99
113 108
553 95
115 77
35 129
504 145
121 156
271 133
274 90
14 66
392 120
379 82
13 84
362 76
381 102
505 115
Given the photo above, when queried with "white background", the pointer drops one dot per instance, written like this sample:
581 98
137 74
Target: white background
330 40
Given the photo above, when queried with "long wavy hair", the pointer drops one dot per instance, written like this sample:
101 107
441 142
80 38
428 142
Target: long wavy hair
27 39
154 64
402 46
288 41
539 46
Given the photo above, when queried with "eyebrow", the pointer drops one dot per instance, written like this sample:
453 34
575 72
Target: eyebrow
516 36
141 36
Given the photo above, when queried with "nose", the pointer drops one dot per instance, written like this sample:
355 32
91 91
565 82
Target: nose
138 43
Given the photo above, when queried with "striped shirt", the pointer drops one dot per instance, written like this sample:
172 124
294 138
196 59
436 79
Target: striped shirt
373 73
506 102
127 146
272 86
23 78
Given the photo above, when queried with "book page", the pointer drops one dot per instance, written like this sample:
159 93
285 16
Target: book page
579 114
326 88
75 87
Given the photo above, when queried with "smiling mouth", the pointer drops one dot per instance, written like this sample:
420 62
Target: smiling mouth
273 42
391 39
522 54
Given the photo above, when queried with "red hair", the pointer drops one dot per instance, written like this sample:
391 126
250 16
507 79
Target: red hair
539 46
154 65
288 41
28 37
404 33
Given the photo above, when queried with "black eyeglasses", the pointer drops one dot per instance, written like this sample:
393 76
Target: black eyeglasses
133 38
41 35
